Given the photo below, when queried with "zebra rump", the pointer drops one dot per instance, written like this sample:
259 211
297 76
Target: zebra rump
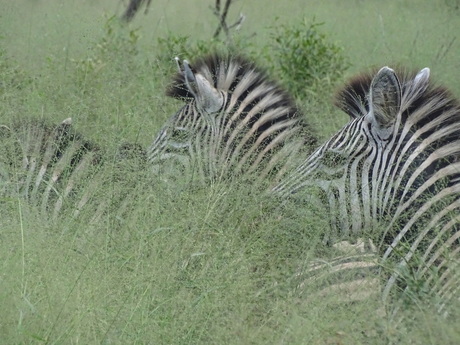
59 171
46 164
236 122
393 172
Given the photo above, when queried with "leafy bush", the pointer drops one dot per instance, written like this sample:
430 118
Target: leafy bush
185 47
305 59
181 46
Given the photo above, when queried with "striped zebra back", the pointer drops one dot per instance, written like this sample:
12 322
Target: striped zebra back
393 172
236 122
47 165
60 172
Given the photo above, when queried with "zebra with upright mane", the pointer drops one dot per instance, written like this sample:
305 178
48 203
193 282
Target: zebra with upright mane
394 172
236 122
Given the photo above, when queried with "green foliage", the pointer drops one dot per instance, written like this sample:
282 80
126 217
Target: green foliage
179 266
179 46
112 83
185 47
116 50
452 5
305 59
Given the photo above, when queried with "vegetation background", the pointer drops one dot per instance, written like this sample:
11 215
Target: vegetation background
192 265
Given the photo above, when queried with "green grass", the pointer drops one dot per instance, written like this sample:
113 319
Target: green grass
216 265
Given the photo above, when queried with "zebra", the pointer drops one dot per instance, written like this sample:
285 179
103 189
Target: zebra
55 168
219 128
236 122
44 164
395 169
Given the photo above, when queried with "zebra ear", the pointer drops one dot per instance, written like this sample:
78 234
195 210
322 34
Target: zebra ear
385 98
207 97
421 80
422 76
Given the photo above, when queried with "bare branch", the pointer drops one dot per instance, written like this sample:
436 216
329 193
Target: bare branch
221 17
133 7
223 20
237 24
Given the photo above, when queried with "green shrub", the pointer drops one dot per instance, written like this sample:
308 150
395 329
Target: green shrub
181 46
185 47
305 59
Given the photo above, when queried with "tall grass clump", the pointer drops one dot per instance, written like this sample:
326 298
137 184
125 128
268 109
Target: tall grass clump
184 265
118 87
15 84
12 76
187 47
116 51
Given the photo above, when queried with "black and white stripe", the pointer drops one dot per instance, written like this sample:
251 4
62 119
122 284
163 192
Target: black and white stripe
59 171
395 166
236 122
46 164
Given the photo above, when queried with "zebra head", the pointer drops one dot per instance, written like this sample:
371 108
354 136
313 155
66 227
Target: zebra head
353 166
208 99
235 121
173 146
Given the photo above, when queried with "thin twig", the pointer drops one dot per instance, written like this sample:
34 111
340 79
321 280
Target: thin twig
238 23
222 17
444 49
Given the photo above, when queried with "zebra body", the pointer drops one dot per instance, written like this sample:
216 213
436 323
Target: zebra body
395 165
46 164
236 122
60 172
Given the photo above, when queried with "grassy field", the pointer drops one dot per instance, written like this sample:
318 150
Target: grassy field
215 265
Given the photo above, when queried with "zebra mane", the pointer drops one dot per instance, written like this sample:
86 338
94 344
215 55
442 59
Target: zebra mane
353 97
225 72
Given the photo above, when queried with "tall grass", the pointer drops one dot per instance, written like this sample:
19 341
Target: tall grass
184 264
